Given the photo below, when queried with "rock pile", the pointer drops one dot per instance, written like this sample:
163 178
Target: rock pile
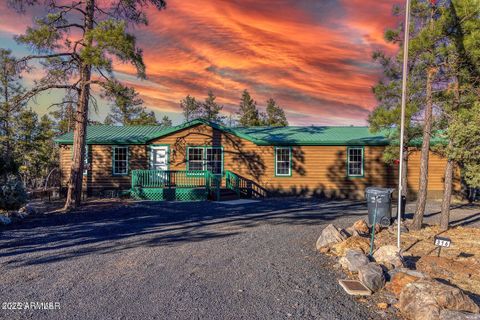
420 296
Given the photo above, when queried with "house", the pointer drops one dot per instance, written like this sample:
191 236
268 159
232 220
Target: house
200 156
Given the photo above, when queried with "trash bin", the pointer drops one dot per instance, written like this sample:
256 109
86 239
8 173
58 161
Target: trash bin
381 198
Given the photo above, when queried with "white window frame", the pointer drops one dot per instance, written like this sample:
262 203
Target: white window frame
205 163
361 162
289 162
114 167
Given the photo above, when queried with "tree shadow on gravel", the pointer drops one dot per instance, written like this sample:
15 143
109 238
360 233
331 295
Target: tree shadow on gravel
100 229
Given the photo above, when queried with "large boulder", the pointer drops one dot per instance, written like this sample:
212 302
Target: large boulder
458 315
424 299
398 281
389 256
371 275
329 236
354 242
353 260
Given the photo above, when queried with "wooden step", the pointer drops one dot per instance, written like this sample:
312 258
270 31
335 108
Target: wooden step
227 194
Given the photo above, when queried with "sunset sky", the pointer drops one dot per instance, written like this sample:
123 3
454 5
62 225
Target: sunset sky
312 56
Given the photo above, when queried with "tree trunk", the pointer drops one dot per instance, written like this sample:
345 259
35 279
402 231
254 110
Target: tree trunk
447 195
448 183
74 194
427 130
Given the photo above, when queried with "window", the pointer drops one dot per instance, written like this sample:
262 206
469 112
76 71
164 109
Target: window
214 160
205 158
195 158
86 164
283 161
355 162
120 161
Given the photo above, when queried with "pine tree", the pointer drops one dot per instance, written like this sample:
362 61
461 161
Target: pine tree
47 150
27 132
248 113
459 102
275 115
191 109
166 122
64 116
10 108
210 110
127 107
385 117
430 46
75 43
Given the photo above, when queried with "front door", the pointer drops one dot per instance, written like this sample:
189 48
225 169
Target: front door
159 157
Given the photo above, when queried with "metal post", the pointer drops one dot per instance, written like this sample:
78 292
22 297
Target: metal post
402 119
372 238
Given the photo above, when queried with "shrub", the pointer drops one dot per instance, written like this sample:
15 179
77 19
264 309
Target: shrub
12 194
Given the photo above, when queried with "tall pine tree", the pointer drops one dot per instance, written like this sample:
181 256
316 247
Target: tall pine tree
127 107
248 114
11 107
460 99
275 116
210 109
191 108
75 43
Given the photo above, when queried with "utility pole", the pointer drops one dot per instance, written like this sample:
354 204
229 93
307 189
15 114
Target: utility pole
402 120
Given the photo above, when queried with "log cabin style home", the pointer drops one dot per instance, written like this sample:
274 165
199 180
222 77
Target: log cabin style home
200 160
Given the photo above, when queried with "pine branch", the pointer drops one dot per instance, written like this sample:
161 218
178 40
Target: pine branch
47 56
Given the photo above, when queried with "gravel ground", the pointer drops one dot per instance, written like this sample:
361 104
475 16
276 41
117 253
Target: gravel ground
199 260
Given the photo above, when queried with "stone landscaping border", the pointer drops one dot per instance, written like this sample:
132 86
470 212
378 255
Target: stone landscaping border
417 295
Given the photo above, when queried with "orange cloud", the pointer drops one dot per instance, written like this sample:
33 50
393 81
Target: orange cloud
313 57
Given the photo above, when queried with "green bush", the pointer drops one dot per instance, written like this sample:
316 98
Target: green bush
12 194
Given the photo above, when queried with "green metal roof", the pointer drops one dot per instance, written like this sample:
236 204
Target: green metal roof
104 134
292 135
313 135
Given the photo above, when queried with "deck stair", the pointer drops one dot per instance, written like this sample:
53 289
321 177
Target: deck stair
227 194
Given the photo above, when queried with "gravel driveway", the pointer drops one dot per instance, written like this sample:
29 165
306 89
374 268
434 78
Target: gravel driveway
198 260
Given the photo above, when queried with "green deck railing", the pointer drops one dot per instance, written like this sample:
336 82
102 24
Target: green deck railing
169 178
232 182
174 185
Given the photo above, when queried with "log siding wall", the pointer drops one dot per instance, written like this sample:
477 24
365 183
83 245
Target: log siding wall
316 170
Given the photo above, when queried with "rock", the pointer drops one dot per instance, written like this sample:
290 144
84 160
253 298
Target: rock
389 256
371 275
425 298
324 249
398 281
415 273
329 236
458 315
5 220
351 231
382 305
355 242
353 260
361 227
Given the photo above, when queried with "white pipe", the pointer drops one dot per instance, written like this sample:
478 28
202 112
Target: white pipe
402 120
